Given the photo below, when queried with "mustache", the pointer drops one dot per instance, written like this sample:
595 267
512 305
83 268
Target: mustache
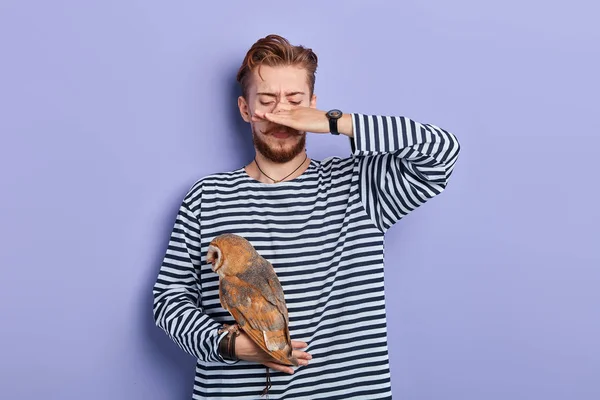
279 128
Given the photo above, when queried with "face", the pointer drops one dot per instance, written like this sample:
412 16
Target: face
273 88
213 256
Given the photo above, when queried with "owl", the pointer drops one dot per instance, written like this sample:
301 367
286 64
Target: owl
250 290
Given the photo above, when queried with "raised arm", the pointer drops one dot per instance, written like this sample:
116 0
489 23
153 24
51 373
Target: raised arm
401 164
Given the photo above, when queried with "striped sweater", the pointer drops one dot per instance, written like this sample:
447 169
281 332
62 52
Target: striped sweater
324 234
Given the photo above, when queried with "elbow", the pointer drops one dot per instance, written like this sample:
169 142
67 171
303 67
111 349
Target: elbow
158 311
456 145
448 159
155 316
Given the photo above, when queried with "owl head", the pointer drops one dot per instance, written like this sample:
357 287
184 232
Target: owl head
229 254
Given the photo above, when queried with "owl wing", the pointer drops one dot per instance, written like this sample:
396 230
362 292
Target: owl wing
258 306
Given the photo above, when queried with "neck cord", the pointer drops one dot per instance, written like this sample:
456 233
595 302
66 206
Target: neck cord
282 179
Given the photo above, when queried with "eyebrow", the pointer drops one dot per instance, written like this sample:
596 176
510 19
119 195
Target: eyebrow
275 95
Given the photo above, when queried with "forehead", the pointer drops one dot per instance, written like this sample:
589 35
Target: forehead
280 79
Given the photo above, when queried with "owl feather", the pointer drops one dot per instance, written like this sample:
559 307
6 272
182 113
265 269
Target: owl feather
252 293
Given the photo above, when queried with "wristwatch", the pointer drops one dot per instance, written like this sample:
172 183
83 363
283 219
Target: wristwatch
333 116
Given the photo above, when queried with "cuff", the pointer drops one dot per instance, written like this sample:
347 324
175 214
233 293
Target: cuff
360 141
220 339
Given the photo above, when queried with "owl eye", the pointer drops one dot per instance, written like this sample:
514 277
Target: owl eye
212 255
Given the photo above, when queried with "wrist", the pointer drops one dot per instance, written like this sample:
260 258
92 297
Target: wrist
227 348
339 123
345 125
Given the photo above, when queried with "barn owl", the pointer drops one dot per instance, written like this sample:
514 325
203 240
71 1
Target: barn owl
250 290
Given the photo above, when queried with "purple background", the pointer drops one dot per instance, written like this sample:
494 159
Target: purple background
112 109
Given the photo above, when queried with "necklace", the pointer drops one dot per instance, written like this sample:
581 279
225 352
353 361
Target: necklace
282 179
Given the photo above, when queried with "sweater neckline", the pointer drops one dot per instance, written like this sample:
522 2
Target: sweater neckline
292 182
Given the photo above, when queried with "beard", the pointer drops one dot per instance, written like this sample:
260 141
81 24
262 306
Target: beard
279 153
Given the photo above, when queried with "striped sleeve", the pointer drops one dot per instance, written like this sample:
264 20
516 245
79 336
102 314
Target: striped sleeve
401 164
176 293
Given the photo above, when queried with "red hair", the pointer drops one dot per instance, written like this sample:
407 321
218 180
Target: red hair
276 51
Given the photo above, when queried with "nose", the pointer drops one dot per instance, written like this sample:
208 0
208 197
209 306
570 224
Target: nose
277 107
281 104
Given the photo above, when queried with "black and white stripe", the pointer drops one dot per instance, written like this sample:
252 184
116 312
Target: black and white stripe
324 233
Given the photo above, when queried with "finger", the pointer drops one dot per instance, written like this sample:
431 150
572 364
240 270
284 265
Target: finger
273 117
286 107
279 113
301 355
280 120
298 344
279 367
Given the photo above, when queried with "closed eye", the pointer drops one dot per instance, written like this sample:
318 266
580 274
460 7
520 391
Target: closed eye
296 103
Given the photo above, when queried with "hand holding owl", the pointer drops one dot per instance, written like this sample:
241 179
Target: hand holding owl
247 350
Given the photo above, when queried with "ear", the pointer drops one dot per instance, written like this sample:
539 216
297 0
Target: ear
244 110
313 101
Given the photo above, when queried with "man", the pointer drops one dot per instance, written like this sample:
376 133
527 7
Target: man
320 223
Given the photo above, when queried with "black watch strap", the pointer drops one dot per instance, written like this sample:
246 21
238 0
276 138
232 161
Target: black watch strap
333 116
333 126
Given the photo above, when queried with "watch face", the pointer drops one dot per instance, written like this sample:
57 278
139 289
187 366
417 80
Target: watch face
334 113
